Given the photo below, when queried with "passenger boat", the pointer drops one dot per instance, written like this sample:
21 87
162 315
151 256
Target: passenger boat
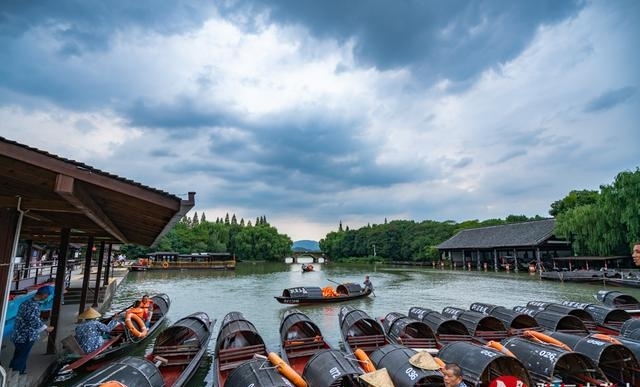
179 348
446 329
411 332
482 327
176 261
360 331
121 339
316 295
238 342
307 268
300 339
619 300
174 359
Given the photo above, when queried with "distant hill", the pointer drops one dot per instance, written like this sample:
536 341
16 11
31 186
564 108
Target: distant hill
305 245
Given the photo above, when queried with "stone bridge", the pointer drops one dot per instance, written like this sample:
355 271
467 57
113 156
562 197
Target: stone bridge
317 256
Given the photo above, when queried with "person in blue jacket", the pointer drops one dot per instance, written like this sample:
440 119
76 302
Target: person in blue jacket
27 329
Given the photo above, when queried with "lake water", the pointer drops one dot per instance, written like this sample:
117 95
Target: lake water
251 288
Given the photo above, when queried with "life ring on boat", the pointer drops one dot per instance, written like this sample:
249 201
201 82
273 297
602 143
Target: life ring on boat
364 360
138 331
286 370
542 338
499 347
165 264
607 338
112 383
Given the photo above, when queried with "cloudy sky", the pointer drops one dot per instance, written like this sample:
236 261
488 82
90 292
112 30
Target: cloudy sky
319 112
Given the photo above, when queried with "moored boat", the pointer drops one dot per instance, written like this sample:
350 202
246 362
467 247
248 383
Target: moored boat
174 359
360 331
408 331
238 342
176 261
515 322
178 350
403 371
446 329
300 339
121 339
482 327
316 295
619 300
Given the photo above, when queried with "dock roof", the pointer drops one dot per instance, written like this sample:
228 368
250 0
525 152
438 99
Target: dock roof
509 235
56 193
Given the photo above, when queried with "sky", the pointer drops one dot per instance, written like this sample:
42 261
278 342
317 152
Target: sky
316 113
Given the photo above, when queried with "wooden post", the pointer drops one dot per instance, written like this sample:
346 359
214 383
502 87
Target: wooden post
86 277
61 271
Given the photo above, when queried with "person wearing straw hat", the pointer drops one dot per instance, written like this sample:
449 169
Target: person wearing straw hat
27 329
89 332
453 376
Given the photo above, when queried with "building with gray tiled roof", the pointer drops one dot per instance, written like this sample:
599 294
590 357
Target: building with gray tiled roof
515 244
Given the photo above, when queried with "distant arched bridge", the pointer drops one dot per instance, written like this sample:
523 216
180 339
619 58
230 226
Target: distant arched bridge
317 256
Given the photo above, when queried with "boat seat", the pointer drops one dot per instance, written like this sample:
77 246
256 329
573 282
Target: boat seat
229 358
413 342
303 347
71 344
367 343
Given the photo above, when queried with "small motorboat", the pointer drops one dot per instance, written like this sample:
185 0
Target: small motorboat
307 268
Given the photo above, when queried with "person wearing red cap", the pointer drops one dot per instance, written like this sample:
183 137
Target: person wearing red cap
27 329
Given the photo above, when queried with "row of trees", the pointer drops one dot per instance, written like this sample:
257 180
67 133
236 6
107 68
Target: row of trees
260 241
604 222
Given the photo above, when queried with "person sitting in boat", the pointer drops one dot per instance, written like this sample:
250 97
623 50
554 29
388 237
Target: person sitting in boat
452 375
138 310
89 333
147 304
367 284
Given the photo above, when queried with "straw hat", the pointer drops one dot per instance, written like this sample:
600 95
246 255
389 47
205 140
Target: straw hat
379 378
424 360
89 314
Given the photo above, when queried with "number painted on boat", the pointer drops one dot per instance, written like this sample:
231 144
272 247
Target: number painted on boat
411 373
596 342
548 355
488 353
480 308
334 372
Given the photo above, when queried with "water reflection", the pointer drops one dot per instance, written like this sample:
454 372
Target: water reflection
251 288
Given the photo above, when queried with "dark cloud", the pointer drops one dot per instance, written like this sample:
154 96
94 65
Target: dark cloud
452 39
610 99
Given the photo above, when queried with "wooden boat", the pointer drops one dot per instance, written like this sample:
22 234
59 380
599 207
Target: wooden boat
237 342
316 295
410 332
300 339
120 340
447 330
360 331
179 348
619 300
307 268
176 355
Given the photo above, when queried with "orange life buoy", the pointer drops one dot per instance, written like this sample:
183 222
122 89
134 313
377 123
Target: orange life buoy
364 360
286 370
138 331
165 264
542 338
499 347
112 383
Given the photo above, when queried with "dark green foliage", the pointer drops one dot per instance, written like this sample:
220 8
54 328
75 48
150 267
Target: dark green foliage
197 236
573 200
606 223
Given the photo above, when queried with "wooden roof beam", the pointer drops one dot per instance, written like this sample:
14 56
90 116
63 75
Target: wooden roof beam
73 193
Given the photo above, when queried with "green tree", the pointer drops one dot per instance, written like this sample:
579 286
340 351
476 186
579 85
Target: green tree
573 199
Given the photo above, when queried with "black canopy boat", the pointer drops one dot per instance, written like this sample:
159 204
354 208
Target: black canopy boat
121 340
316 295
360 331
238 342
300 339
447 330
408 331
174 359
619 300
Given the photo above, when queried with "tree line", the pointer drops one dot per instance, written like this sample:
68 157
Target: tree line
604 223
